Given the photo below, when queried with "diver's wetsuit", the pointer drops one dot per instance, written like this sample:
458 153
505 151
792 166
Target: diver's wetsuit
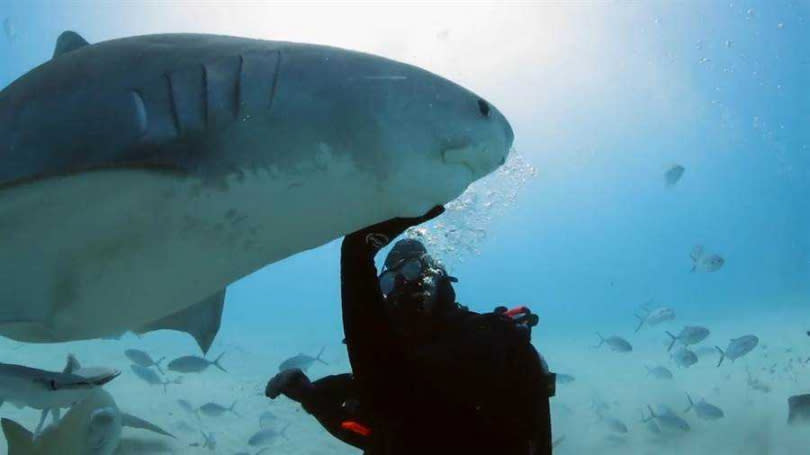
476 387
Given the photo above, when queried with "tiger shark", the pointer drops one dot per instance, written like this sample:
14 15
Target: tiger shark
141 176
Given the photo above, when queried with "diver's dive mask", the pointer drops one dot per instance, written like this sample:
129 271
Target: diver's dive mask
408 270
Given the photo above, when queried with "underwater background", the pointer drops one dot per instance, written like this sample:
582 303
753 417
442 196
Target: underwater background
580 225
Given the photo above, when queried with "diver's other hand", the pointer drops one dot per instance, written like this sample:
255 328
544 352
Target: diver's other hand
292 383
381 234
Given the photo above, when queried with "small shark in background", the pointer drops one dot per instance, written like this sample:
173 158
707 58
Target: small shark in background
50 391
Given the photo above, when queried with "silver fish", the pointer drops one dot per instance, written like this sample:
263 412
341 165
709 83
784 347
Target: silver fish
152 378
266 436
186 406
674 174
685 358
266 419
143 359
703 262
615 343
655 317
690 334
704 409
659 372
669 421
564 378
615 425
194 364
9 30
215 410
738 347
301 361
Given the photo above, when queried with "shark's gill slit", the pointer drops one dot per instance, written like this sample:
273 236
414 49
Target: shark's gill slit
140 112
173 106
237 105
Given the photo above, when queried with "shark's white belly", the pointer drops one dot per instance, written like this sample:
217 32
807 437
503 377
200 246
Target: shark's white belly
97 253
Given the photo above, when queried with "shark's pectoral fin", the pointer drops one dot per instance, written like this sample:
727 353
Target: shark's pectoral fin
200 320
129 420
20 441
68 41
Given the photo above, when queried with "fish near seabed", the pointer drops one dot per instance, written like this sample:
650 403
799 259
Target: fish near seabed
194 364
180 163
690 334
301 361
738 347
655 317
615 343
799 409
143 359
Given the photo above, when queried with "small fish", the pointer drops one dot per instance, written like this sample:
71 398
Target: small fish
143 359
209 442
267 419
659 372
557 441
301 361
650 424
9 29
152 378
738 347
705 262
215 410
673 174
685 358
655 317
194 364
690 334
186 406
615 425
669 421
704 409
564 378
799 409
266 436
615 343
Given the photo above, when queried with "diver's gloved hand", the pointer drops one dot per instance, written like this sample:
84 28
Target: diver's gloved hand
379 235
292 383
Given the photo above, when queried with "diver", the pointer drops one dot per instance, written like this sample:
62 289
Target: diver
428 375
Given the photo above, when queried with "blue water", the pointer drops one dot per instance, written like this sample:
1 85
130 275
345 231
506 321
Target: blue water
603 98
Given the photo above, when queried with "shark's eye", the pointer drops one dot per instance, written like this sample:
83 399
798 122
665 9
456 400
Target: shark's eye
52 384
483 107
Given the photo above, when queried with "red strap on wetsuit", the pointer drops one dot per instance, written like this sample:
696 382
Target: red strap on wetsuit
355 427
517 310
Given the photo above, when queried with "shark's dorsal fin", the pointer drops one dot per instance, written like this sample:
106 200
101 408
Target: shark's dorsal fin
20 441
200 320
72 364
68 41
129 420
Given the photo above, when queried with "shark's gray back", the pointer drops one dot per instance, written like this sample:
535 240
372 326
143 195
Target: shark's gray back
145 101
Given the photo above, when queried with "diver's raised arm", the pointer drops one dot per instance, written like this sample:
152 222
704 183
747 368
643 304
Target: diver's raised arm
369 338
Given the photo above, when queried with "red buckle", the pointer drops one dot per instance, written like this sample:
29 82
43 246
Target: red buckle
355 427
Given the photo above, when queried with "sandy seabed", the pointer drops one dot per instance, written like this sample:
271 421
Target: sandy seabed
754 421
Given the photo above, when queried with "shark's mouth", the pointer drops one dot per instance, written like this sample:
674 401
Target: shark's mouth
463 156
